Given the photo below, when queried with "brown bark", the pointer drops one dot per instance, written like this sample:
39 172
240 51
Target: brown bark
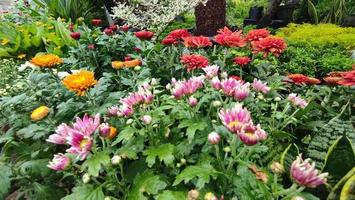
210 17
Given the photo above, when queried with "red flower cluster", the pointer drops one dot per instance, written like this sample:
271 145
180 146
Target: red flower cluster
96 22
194 61
273 45
257 34
300 79
197 42
175 37
75 35
124 28
144 35
241 60
341 78
113 27
229 38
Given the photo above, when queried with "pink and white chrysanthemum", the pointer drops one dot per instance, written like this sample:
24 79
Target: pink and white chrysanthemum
242 92
260 86
297 101
88 125
60 135
229 85
216 83
304 173
251 134
187 87
235 118
80 144
60 162
211 71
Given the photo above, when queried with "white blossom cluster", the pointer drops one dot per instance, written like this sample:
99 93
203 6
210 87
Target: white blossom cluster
153 15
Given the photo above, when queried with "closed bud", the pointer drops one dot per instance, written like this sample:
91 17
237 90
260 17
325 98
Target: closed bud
155 125
210 196
193 195
137 68
277 168
216 104
86 178
39 113
192 101
107 198
154 81
297 198
227 149
224 75
213 121
115 160
277 99
147 119
183 161
178 165
129 121
261 97
104 129
213 138
168 86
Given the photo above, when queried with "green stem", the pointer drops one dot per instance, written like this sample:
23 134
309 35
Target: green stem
291 194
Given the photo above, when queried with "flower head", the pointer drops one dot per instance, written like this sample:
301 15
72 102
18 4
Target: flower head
112 111
147 119
296 100
304 173
39 113
75 35
273 45
257 34
60 162
144 35
216 83
87 125
235 118
192 101
260 86
104 129
213 138
176 36
169 41
348 78
61 133
113 27
230 39
194 61
79 82
197 42
96 22
241 60
251 134
46 60
242 92
300 79
108 31
186 87
211 71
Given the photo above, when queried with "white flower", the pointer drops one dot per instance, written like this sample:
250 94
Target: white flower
25 66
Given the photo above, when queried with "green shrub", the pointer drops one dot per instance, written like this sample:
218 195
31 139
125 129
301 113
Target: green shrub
319 35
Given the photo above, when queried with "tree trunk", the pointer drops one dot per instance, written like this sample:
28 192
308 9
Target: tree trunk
210 17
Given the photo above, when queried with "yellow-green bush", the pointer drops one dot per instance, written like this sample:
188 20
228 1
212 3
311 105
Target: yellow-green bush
321 34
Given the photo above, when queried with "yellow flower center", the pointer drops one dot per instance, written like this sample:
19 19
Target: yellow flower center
234 123
84 143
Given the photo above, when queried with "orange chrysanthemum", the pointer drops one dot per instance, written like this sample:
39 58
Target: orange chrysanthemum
46 60
80 82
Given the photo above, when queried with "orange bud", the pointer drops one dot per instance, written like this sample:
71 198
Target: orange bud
113 132
39 113
132 63
117 64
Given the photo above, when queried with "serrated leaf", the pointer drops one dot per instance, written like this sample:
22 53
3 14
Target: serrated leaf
146 183
171 195
164 153
86 192
94 163
202 172
5 183
126 134
192 127
33 131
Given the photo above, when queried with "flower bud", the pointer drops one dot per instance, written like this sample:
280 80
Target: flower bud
277 168
39 113
104 129
155 125
210 196
115 160
147 119
112 111
129 121
107 198
154 81
168 86
178 165
193 195
297 198
277 99
112 133
224 75
75 35
227 149
260 97
183 161
213 138
108 31
86 178
216 104
213 121
192 101
137 68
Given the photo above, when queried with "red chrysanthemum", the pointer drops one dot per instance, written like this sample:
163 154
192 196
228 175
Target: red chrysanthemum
194 61
300 79
257 34
175 36
144 35
197 42
96 22
235 77
169 41
241 60
348 78
273 45
228 38
108 31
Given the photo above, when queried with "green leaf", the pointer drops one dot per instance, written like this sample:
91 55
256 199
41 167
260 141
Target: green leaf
86 192
202 172
126 134
5 183
340 159
288 156
171 195
145 183
94 163
348 191
335 193
164 153
33 131
192 127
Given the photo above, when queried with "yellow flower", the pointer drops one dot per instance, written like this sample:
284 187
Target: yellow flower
39 113
21 56
5 41
79 82
46 60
